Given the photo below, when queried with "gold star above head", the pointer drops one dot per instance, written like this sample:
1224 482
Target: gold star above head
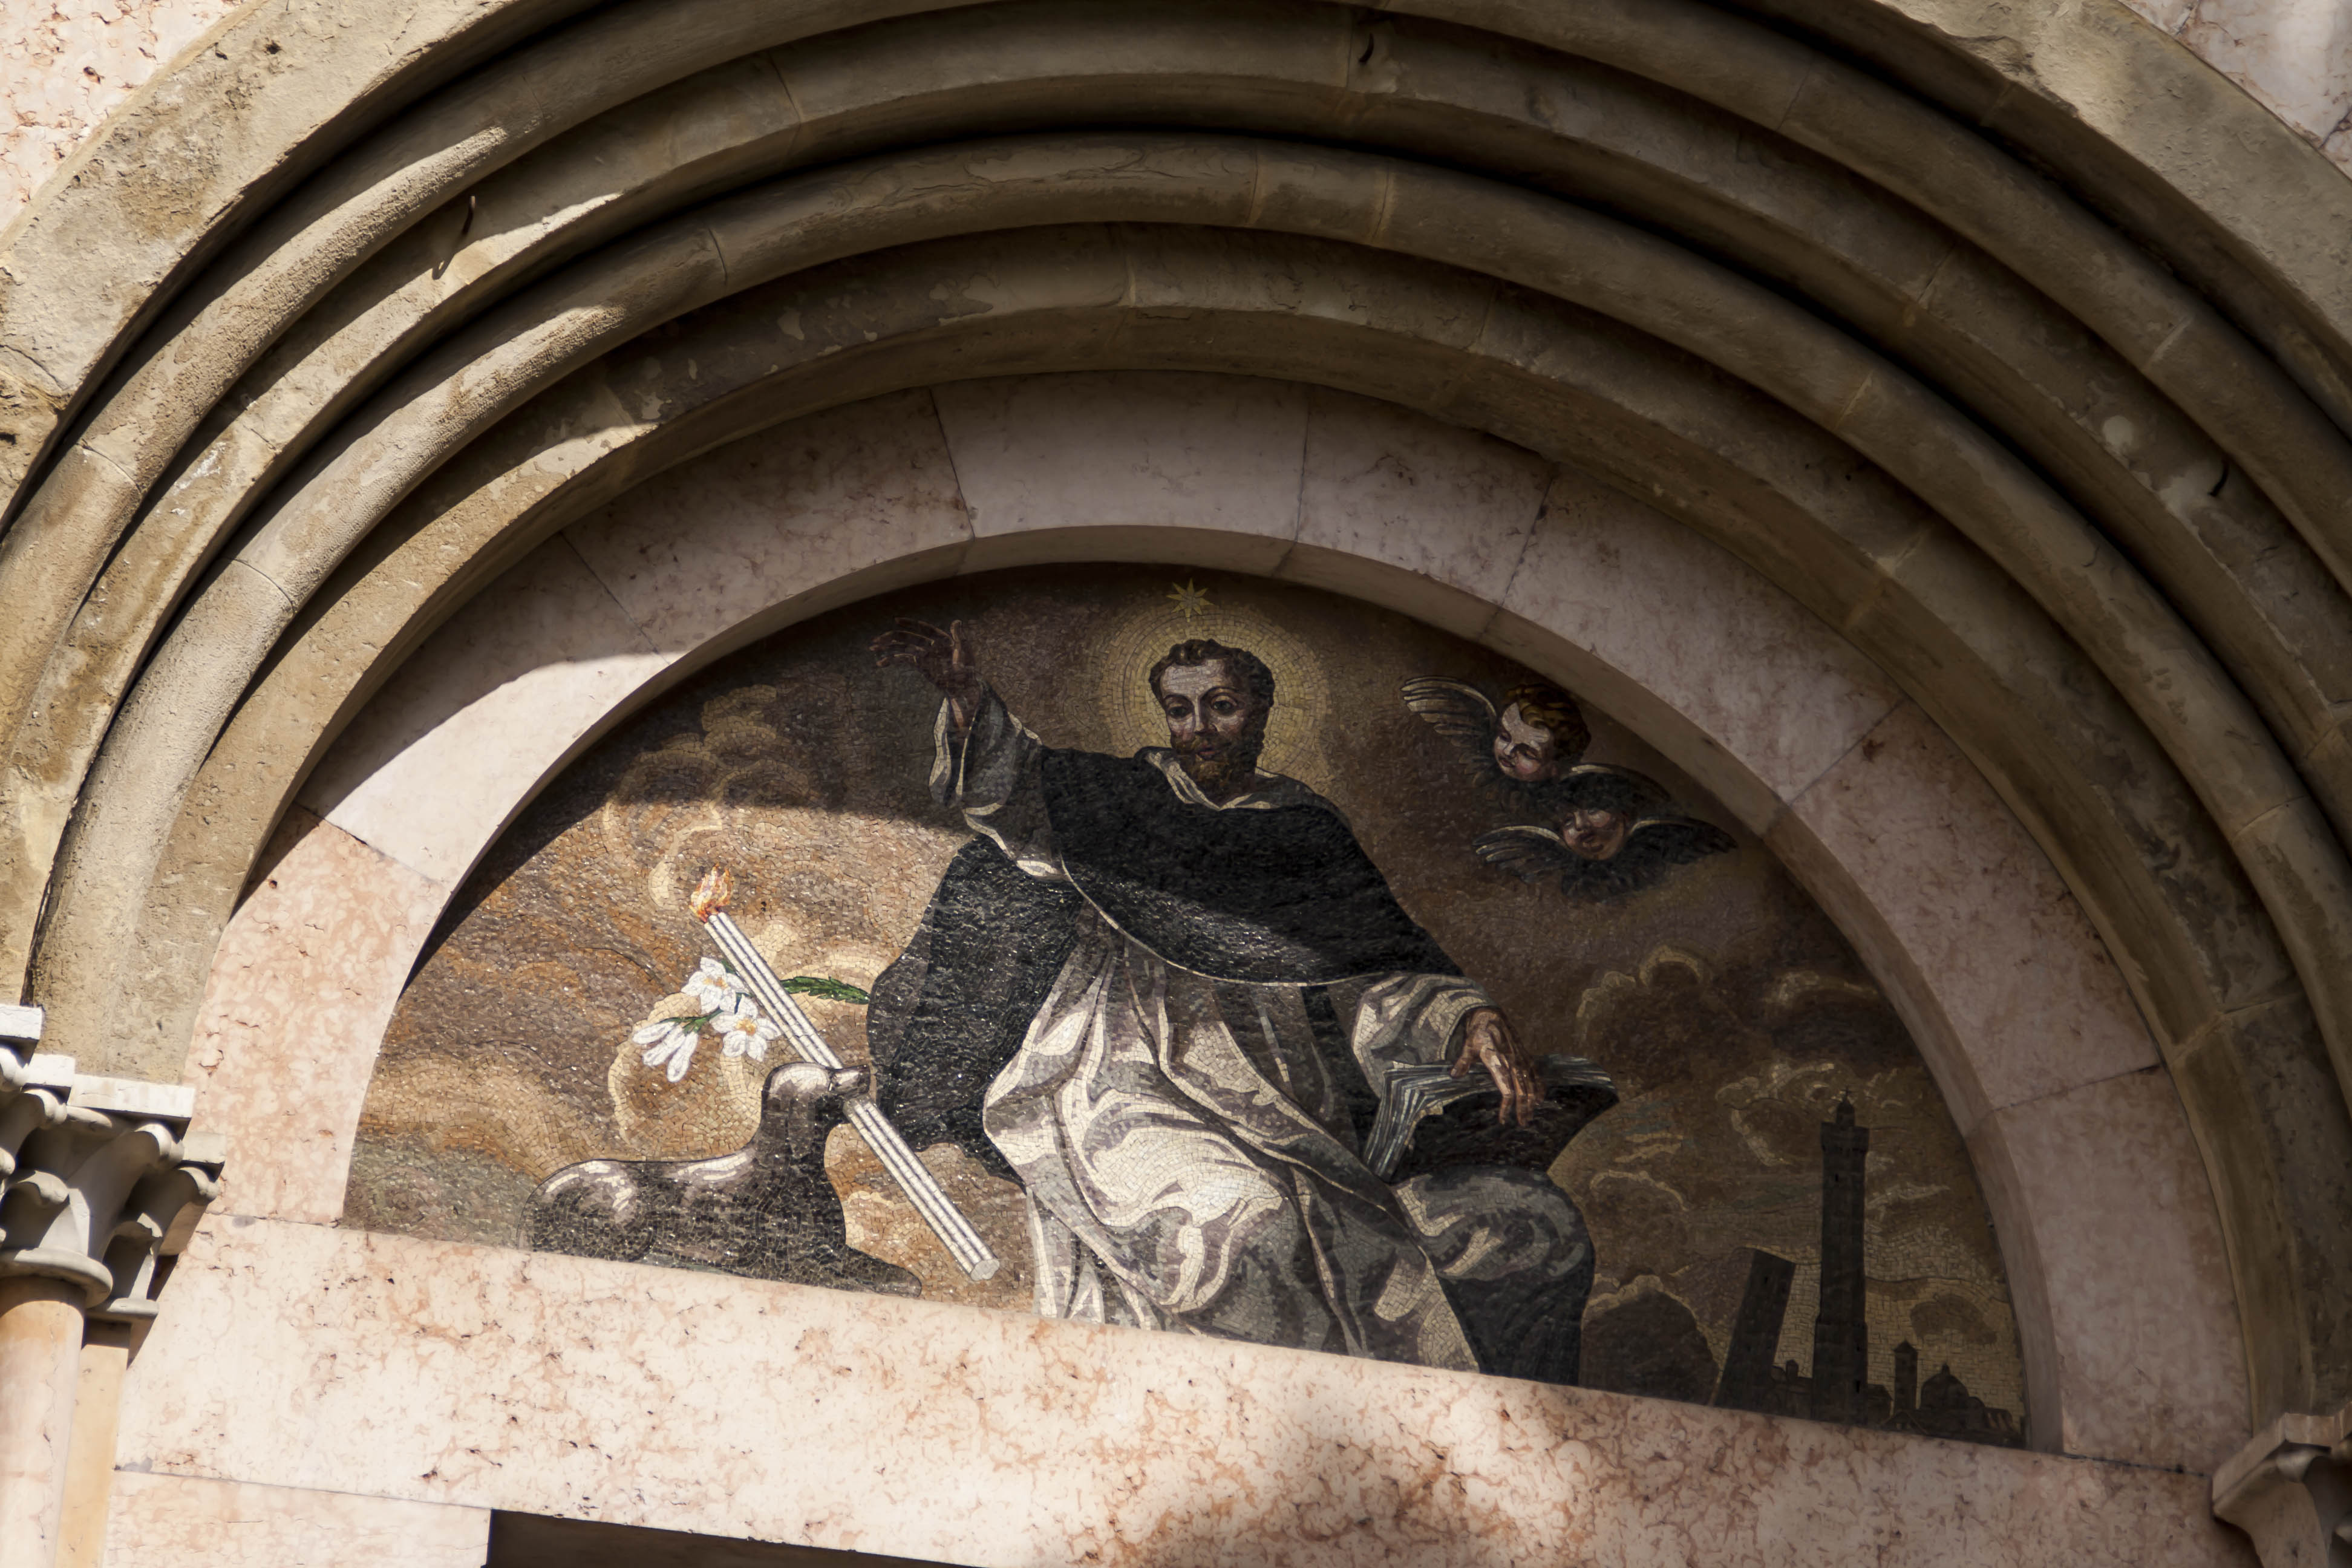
1191 601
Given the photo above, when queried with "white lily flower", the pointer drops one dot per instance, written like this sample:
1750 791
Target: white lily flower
669 1042
746 1033
714 990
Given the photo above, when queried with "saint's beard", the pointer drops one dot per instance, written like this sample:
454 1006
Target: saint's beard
1225 774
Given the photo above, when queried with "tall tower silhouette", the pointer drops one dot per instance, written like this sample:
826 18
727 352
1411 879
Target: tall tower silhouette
1841 1334
1906 1379
1747 1382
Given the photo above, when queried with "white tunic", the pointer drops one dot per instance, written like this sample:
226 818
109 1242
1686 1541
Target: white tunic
1187 1153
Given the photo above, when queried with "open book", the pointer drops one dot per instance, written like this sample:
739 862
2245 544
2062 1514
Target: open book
1430 1119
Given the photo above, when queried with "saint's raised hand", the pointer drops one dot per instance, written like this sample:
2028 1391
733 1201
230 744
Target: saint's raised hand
1487 1041
942 658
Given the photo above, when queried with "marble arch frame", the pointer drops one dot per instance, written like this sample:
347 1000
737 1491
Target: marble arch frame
608 614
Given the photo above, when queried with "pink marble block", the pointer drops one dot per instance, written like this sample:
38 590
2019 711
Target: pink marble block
484 1378
193 1523
304 981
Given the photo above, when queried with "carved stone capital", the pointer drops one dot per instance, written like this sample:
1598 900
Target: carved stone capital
33 1088
2291 1489
99 1177
20 1032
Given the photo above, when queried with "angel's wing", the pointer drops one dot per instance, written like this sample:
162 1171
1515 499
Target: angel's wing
1652 849
1675 841
1459 713
1529 854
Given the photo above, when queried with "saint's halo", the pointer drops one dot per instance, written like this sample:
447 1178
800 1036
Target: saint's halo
1137 640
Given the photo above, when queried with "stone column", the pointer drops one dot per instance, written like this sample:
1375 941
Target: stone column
99 1178
2291 1489
89 1457
40 1355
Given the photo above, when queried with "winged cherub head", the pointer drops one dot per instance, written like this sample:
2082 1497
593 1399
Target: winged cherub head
1539 732
1618 834
1601 806
1595 832
1532 741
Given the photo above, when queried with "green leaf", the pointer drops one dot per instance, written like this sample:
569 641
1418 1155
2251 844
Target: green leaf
830 990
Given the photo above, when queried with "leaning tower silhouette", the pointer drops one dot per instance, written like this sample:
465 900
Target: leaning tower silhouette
1841 1334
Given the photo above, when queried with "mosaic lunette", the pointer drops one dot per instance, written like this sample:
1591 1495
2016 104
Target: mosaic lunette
1074 1019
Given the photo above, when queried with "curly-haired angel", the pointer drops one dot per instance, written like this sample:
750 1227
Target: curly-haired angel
1527 746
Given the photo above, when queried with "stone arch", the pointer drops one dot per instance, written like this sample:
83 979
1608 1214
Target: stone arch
1578 598
205 852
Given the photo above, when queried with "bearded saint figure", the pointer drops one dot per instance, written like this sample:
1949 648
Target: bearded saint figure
1163 992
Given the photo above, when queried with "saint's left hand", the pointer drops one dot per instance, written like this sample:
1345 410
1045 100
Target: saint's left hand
1487 1041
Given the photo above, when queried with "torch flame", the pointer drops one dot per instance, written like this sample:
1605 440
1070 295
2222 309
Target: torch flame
711 894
